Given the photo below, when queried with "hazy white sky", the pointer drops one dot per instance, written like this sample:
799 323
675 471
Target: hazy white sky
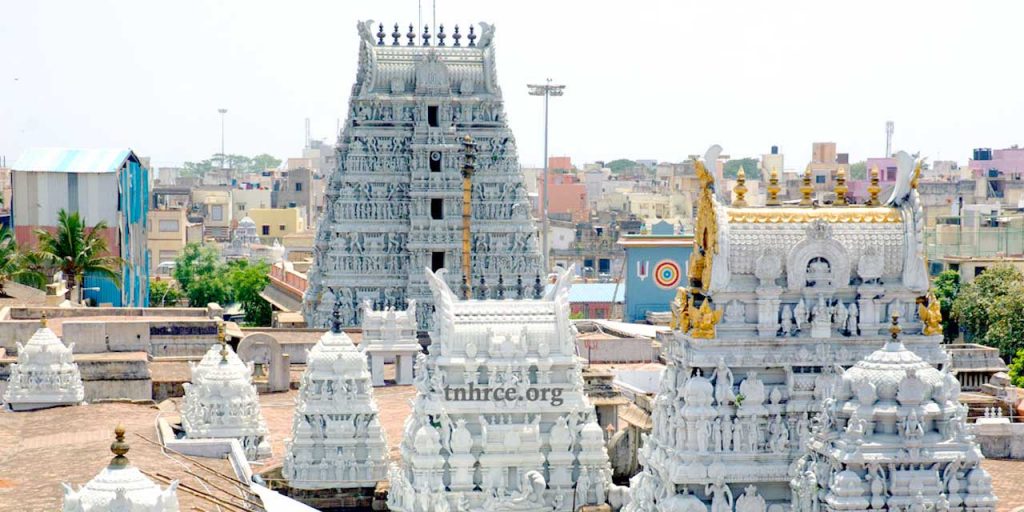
644 79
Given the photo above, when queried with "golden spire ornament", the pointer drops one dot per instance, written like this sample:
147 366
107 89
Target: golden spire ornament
807 190
740 189
119 448
42 319
841 187
873 188
773 188
222 338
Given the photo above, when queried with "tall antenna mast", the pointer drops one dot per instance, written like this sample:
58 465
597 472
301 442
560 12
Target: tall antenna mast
889 128
307 133
433 22
419 14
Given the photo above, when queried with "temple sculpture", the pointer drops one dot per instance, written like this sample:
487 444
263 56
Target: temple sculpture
395 203
892 436
221 402
780 299
337 439
500 421
120 486
390 334
45 375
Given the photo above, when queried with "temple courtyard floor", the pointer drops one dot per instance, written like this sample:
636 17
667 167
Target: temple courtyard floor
41 449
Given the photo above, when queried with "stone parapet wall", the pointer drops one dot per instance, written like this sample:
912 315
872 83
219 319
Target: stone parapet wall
1000 440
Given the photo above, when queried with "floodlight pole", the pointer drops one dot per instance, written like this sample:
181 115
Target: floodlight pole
547 90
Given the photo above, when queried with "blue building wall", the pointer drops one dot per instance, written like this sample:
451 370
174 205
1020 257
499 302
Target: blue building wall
655 267
133 206
134 179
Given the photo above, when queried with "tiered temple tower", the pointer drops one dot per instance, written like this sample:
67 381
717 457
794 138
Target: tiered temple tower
45 375
395 204
500 420
893 437
337 439
780 300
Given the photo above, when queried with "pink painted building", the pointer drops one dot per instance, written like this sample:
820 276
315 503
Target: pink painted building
568 196
1009 162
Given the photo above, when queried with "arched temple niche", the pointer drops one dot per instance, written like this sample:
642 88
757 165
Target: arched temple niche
818 261
269 362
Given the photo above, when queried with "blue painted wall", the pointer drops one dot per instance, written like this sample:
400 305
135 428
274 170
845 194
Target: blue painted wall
645 291
134 179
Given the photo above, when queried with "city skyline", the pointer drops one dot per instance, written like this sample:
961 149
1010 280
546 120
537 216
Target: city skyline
661 81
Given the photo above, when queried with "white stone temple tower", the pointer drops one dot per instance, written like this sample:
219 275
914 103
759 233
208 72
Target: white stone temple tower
893 437
222 402
390 334
781 298
500 421
395 203
45 375
337 439
121 486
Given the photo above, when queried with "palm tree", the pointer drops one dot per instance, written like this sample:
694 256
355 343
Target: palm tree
12 264
76 249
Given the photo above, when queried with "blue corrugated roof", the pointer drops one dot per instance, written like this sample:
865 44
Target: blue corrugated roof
597 292
71 160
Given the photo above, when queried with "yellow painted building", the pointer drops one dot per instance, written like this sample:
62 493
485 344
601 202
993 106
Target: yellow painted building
274 223
167 235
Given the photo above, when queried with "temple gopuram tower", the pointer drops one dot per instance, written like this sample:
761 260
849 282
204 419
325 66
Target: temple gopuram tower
395 203
781 299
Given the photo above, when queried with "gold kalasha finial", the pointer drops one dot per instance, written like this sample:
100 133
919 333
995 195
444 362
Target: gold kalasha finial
895 329
119 448
841 187
222 338
807 190
42 319
773 188
873 188
741 188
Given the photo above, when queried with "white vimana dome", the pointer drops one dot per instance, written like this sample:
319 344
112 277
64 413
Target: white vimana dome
893 437
120 487
222 402
45 375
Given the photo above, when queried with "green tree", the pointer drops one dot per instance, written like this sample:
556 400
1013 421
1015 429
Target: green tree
247 281
196 169
1017 369
201 275
76 249
620 165
163 294
751 168
12 264
946 287
263 161
990 309
858 170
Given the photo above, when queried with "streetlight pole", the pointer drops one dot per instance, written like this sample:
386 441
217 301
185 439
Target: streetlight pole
547 90
223 157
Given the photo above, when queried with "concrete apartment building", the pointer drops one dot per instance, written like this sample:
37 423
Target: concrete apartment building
49 180
245 199
277 223
167 234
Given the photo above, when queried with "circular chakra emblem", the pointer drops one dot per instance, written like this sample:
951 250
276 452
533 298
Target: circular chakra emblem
666 274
